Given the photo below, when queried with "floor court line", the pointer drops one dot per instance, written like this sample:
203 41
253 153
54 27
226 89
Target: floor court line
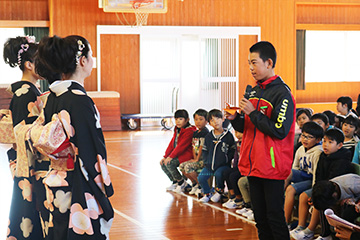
147 229
194 198
121 169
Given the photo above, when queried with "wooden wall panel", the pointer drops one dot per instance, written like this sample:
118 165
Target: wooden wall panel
120 69
327 92
328 14
245 78
24 10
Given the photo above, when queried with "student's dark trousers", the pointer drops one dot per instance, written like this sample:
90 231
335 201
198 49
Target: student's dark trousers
267 200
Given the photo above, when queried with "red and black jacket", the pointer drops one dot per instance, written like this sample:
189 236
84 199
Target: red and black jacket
268 132
183 150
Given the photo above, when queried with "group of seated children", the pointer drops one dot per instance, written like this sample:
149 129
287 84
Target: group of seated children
324 152
200 154
324 148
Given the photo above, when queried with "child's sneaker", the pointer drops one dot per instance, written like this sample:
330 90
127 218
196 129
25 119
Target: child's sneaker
172 187
250 216
248 213
199 191
231 204
324 238
302 235
181 188
296 230
205 198
216 197
194 189
242 211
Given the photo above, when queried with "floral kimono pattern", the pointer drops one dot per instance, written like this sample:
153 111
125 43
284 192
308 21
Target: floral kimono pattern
24 220
74 203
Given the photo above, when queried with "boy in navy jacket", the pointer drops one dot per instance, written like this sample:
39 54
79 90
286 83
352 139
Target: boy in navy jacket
218 151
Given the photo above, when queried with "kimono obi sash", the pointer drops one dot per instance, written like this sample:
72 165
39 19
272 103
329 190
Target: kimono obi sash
49 140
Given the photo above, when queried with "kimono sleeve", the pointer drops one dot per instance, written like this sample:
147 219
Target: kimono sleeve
89 140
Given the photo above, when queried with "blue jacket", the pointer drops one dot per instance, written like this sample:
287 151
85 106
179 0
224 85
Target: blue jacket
218 152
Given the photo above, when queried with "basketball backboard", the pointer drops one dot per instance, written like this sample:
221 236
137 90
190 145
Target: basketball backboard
130 6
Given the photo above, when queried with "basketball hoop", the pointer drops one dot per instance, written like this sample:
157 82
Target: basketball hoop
141 14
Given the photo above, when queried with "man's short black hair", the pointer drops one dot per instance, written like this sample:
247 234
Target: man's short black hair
201 112
215 113
303 110
320 116
322 195
266 50
335 134
345 100
313 129
352 121
181 113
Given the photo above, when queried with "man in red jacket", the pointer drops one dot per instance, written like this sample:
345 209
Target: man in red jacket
268 128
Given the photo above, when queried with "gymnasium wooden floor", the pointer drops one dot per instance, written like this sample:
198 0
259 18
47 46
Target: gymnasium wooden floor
143 209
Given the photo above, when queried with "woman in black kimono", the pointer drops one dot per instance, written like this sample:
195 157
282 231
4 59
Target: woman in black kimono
25 106
76 204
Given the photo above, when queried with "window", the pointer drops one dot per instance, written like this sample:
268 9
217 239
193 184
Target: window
9 74
332 56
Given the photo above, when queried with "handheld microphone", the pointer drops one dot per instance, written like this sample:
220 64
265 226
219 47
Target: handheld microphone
247 91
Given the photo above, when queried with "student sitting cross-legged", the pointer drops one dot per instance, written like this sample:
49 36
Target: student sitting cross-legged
304 165
218 151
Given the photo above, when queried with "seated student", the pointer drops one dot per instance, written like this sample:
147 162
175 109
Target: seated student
190 168
344 106
302 116
334 161
304 165
179 149
331 116
349 127
218 151
330 193
321 119
356 157
246 211
231 176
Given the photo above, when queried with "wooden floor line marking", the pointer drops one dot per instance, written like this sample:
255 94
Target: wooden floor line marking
121 169
234 229
147 229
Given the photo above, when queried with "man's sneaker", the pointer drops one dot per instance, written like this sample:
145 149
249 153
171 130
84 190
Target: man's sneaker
324 238
301 235
181 188
172 187
242 211
194 189
205 198
216 197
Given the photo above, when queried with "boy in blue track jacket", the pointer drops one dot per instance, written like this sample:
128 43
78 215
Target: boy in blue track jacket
218 151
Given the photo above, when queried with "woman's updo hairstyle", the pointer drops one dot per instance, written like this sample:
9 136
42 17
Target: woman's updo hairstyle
61 55
19 50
